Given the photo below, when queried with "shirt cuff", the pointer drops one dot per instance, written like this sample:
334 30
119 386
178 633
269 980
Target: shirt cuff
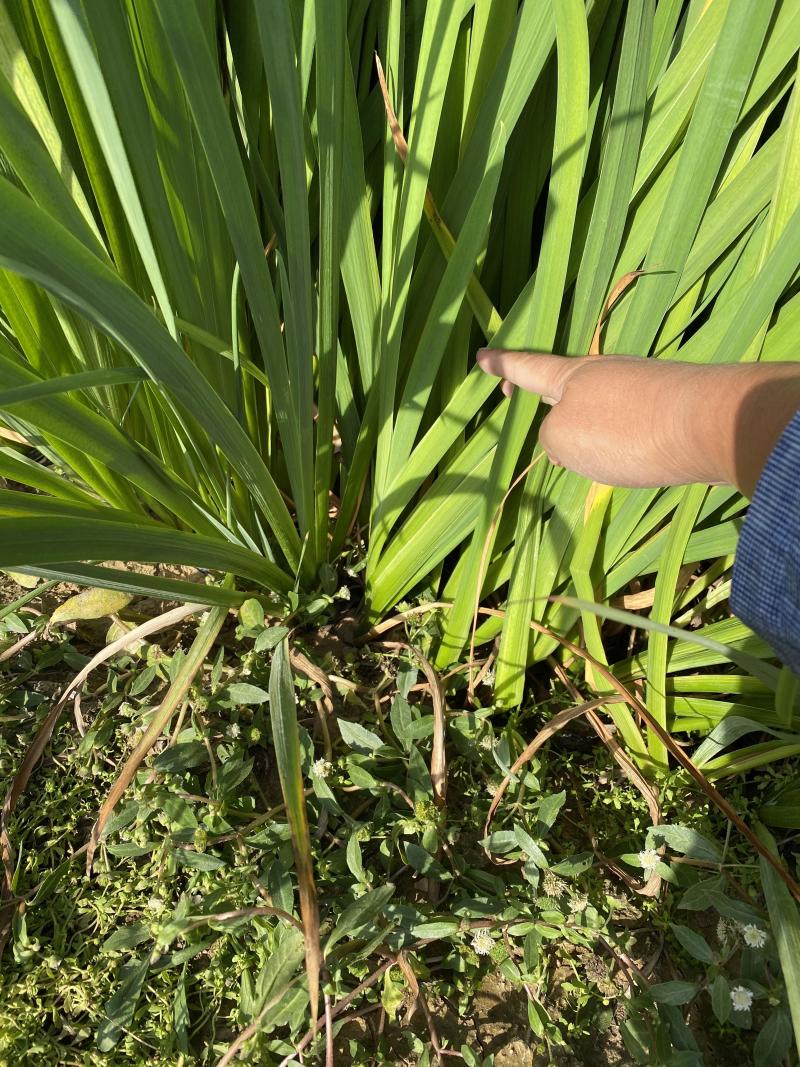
766 574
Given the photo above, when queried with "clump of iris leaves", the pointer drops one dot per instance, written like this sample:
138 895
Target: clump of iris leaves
238 321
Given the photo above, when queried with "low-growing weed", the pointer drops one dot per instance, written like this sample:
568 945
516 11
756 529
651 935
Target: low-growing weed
187 935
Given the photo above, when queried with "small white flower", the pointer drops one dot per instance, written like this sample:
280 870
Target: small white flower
321 768
753 935
649 858
482 942
488 742
578 904
155 905
233 730
491 789
552 885
741 998
723 931
343 593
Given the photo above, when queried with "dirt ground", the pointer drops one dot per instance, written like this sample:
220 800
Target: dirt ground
498 1025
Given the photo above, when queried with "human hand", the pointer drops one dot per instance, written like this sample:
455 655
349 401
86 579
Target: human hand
626 421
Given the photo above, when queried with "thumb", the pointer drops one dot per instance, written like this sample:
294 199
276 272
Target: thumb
534 371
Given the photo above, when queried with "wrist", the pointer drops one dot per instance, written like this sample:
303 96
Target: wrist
705 430
761 402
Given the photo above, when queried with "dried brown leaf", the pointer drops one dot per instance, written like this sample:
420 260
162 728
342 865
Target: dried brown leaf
191 664
45 731
636 705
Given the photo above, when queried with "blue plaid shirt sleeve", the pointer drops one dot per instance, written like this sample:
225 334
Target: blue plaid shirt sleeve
766 574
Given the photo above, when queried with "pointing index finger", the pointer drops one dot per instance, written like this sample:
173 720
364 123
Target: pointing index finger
535 371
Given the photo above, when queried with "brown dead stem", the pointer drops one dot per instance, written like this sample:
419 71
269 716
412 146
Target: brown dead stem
336 1010
438 754
652 886
190 667
328 1031
45 731
487 544
265 910
636 705
250 1031
620 287
413 985
18 646
325 713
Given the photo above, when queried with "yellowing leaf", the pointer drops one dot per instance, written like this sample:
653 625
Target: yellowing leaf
393 995
119 628
251 614
91 604
27 581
